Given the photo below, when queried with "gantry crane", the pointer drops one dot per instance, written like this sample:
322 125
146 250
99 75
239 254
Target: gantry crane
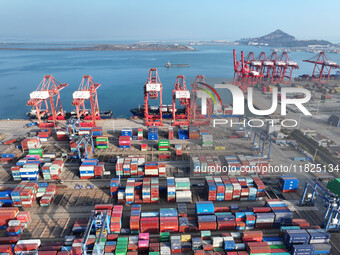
99 221
262 143
331 218
261 58
71 127
44 95
181 93
284 67
245 129
153 91
244 76
322 67
84 141
269 68
87 91
254 65
237 69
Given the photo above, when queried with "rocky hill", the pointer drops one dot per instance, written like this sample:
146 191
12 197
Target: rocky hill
279 38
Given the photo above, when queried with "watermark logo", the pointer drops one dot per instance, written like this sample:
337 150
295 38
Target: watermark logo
239 100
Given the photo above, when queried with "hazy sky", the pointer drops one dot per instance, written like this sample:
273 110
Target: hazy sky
62 20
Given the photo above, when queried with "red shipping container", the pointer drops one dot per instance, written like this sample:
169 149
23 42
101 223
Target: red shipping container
199 252
26 247
261 209
9 240
226 225
132 247
208 247
300 223
259 249
207 226
6 159
51 248
252 236
47 252
76 251
154 247
6 248
9 141
112 237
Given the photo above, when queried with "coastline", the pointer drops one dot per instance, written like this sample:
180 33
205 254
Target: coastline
113 47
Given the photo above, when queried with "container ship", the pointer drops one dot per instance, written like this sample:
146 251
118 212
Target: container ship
167 111
67 115
154 110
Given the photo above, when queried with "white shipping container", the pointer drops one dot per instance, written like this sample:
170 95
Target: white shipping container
14 223
217 242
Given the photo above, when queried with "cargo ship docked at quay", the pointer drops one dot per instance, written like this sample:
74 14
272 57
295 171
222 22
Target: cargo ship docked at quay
68 115
167 111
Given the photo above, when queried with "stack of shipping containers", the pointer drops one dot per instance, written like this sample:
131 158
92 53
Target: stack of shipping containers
152 133
194 133
288 183
140 134
124 142
87 168
171 133
102 142
178 190
163 145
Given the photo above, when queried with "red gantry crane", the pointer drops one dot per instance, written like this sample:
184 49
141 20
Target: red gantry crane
244 76
269 68
153 91
284 69
255 66
322 67
181 93
48 89
261 59
237 69
87 91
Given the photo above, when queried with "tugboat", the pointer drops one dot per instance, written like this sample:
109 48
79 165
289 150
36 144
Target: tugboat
168 65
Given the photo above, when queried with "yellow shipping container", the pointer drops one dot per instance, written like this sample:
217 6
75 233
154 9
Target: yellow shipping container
220 148
185 238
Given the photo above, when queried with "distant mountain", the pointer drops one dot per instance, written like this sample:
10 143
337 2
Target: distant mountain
279 38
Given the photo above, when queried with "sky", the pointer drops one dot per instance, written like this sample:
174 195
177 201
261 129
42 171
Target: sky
93 20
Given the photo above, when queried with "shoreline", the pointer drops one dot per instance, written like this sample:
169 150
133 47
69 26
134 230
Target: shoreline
113 47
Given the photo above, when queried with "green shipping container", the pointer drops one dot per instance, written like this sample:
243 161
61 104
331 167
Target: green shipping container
36 152
334 186
163 149
163 142
102 147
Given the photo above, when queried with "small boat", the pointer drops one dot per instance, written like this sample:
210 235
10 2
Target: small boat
168 65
